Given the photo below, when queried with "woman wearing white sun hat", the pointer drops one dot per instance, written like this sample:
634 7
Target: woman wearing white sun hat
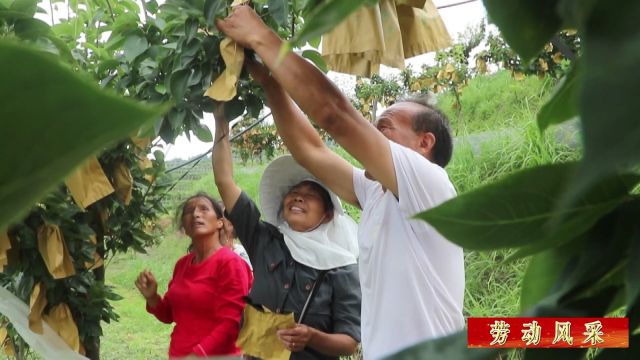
304 233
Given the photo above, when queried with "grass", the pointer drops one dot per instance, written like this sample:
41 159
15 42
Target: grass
138 335
496 135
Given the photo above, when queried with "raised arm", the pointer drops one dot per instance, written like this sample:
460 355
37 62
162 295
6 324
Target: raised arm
223 162
316 95
302 140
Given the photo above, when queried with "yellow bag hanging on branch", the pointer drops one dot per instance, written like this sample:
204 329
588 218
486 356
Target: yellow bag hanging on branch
5 245
144 163
88 183
54 251
386 33
141 143
97 259
123 182
37 303
258 336
7 346
224 88
61 321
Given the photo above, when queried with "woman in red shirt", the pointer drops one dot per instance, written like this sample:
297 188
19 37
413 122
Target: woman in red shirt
205 296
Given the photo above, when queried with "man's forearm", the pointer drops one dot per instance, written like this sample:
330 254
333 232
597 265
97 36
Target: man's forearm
294 128
310 89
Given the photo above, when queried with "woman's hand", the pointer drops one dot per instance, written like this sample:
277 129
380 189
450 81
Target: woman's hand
148 287
297 338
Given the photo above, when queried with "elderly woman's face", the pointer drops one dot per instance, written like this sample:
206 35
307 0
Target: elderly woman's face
303 208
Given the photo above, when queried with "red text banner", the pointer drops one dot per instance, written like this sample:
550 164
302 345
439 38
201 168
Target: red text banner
542 332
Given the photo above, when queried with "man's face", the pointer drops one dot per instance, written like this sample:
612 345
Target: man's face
396 124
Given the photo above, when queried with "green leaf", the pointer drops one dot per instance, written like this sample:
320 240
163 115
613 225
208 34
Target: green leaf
73 119
31 29
134 46
315 42
233 108
178 84
202 132
563 104
609 103
325 17
598 259
254 105
518 210
525 25
451 347
279 10
26 7
213 9
633 267
316 58
542 273
176 118
190 28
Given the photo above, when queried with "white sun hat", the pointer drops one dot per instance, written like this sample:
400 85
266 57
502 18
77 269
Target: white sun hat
328 246
278 178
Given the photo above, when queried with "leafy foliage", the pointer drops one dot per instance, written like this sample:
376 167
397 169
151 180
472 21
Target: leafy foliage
576 272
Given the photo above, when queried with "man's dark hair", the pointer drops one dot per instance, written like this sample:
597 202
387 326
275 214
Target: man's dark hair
434 121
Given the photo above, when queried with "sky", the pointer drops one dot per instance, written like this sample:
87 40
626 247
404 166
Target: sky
456 19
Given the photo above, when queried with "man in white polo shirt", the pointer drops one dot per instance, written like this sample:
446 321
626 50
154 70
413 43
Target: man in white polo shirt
412 278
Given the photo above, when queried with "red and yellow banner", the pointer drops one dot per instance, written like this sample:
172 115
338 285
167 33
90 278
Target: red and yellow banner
541 332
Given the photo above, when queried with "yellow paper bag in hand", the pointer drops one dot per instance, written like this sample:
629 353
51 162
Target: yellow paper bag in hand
123 182
54 251
5 245
61 321
37 303
258 334
88 183
224 88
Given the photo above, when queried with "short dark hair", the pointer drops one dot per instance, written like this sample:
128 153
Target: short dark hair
434 121
180 209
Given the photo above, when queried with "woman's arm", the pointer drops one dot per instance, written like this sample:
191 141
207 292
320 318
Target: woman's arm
223 162
302 140
301 336
156 305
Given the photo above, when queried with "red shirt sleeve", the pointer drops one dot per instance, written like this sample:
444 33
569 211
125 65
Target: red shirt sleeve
232 287
162 311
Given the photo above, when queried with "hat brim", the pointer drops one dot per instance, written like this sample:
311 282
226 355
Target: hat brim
278 178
